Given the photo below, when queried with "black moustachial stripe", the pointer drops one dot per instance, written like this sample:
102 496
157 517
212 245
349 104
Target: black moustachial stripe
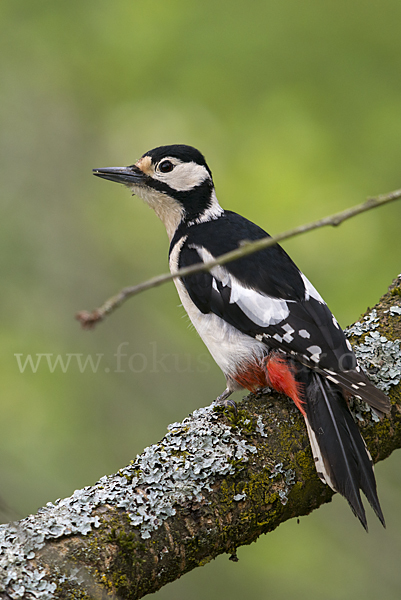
195 201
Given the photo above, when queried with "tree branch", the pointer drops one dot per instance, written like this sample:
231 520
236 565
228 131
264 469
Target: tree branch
213 483
89 319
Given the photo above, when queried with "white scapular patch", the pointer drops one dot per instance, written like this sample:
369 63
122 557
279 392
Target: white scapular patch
310 291
317 455
348 345
229 347
315 352
185 175
303 333
263 310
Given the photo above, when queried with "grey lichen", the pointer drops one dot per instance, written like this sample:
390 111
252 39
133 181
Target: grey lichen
183 466
382 358
370 321
289 480
377 355
260 427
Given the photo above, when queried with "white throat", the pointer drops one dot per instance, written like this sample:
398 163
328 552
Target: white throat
169 211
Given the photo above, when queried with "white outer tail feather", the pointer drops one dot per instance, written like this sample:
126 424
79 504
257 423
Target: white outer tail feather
318 458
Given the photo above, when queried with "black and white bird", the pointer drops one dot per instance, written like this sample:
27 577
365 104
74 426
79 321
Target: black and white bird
261 319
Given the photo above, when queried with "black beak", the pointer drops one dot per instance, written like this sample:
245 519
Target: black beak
126 175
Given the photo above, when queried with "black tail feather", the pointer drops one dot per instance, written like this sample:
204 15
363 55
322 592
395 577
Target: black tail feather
357 384
339 450
368 482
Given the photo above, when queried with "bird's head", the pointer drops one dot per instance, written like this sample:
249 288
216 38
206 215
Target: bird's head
173 180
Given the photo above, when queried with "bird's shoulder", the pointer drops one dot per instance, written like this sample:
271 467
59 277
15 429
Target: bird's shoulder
270 271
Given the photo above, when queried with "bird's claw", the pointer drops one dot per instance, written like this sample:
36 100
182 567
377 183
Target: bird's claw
226 403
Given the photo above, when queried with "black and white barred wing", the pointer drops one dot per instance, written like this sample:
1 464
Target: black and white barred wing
303 327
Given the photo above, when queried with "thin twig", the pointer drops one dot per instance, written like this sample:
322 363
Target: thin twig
89 319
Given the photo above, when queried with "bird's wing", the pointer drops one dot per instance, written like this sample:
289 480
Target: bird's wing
298 322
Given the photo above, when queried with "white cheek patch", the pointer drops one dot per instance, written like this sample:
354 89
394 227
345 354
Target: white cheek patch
184 176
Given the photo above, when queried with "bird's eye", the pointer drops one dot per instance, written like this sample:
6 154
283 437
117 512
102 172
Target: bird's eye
166 166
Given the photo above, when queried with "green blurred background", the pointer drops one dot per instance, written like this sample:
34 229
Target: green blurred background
297 107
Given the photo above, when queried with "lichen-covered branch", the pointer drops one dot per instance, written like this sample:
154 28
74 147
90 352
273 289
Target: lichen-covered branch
213 483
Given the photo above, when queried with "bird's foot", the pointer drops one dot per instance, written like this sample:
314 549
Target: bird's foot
223 402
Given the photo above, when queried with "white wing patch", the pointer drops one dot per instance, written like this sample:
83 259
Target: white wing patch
310 291
288 337
335 322
263 310
315 353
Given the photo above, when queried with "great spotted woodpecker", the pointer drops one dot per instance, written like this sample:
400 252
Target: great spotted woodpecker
262 320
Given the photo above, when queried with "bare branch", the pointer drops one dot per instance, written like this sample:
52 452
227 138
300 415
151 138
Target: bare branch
215 482
89 319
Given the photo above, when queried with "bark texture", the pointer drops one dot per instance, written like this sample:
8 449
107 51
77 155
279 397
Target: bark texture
213 483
